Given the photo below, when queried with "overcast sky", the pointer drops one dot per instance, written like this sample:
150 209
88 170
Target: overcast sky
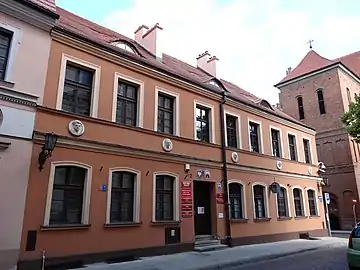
255 40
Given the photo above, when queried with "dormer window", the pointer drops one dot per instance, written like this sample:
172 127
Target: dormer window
124 46
214 83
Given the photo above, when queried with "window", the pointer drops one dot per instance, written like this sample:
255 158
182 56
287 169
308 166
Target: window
301 108
67 195
299 210
202 123
281 199
165 198
292 147
124 46
77 93
236 200
212 82
165 114
126 106
321 102
312 202
276 142
122 197
348 94
5 43
306 144
254 137
231 131
259 201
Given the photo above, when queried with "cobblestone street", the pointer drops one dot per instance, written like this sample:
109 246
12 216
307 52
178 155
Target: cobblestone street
323 259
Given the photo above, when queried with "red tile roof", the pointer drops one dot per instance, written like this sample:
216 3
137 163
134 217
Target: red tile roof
103 36
47 4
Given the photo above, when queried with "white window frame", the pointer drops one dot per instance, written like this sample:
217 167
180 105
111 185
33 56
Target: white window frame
310 149
280 140
176 109
297 157
266 199
316 201
302 200
176 198
87 190
287 203
65 58
137 183
260 134
13 50
238 128
243 196
140 97
211 119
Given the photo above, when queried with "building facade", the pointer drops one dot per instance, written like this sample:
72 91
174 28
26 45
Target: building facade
139 166
23 68
317 93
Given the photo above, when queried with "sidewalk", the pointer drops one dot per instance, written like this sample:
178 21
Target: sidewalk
223 258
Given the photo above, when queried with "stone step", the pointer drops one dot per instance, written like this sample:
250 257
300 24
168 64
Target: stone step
207 242
209 248
203 237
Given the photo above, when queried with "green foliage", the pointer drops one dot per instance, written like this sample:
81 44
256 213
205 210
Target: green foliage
351 119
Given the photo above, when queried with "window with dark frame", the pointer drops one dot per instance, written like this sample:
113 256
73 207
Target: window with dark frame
165 114
164 198
275 140
321 102
312 202
236 203
254 137
77 92
202 123
231 131
301 108
259 201
67 195
5 43
299 211
292 146
282 203
306 144
127 103
122 197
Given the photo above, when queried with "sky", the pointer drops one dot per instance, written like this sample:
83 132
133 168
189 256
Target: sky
255 40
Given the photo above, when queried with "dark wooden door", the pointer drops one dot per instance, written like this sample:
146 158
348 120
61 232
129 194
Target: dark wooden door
202 207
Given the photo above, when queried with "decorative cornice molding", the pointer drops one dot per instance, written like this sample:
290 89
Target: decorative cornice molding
17 100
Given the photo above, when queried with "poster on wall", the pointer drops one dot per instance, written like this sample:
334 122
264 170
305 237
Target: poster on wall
186 200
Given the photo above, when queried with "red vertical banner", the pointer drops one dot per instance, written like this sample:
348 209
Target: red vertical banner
186 200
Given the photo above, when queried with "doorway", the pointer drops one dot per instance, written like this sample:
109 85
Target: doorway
202 207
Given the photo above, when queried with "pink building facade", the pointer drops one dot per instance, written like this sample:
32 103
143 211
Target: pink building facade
24 51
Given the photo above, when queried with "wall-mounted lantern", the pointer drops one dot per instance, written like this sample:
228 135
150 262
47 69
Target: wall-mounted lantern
47 149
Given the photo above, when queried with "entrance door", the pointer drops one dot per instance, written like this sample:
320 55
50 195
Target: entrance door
202 207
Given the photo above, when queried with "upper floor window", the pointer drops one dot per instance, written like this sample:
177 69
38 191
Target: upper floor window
5 43
125 46
202 123
312 202
127 103
165 114
301 108
348 94
292 147
307 154
321 101
231 131
275 142
236 200
78 86
254 130
214 83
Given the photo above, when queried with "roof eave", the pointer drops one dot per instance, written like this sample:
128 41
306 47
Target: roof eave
41 9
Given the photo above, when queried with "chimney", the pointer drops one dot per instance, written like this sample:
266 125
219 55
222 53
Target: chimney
288 70
207 63
151 39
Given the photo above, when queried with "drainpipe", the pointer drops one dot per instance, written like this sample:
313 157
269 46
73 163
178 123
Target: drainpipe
225 171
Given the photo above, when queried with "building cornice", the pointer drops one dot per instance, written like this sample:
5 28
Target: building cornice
17 97
27 14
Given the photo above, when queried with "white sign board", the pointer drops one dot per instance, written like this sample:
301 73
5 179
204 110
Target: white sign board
327 198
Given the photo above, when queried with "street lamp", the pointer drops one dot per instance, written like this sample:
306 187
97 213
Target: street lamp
47 149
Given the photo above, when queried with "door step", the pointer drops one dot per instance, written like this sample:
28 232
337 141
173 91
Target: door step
205 243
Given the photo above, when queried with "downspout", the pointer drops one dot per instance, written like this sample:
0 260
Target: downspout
228 238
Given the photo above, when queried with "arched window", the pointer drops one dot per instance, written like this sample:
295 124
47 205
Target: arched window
260 201
312 202
321 101
236 201
300 108
282 203
298 202
125 46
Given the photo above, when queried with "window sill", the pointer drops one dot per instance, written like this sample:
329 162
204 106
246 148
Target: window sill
165 223
314 217
240 220
261 219
284 218
7 84
65 227
122 224
301 217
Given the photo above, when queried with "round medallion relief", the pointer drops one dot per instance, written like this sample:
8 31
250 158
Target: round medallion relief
76 128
